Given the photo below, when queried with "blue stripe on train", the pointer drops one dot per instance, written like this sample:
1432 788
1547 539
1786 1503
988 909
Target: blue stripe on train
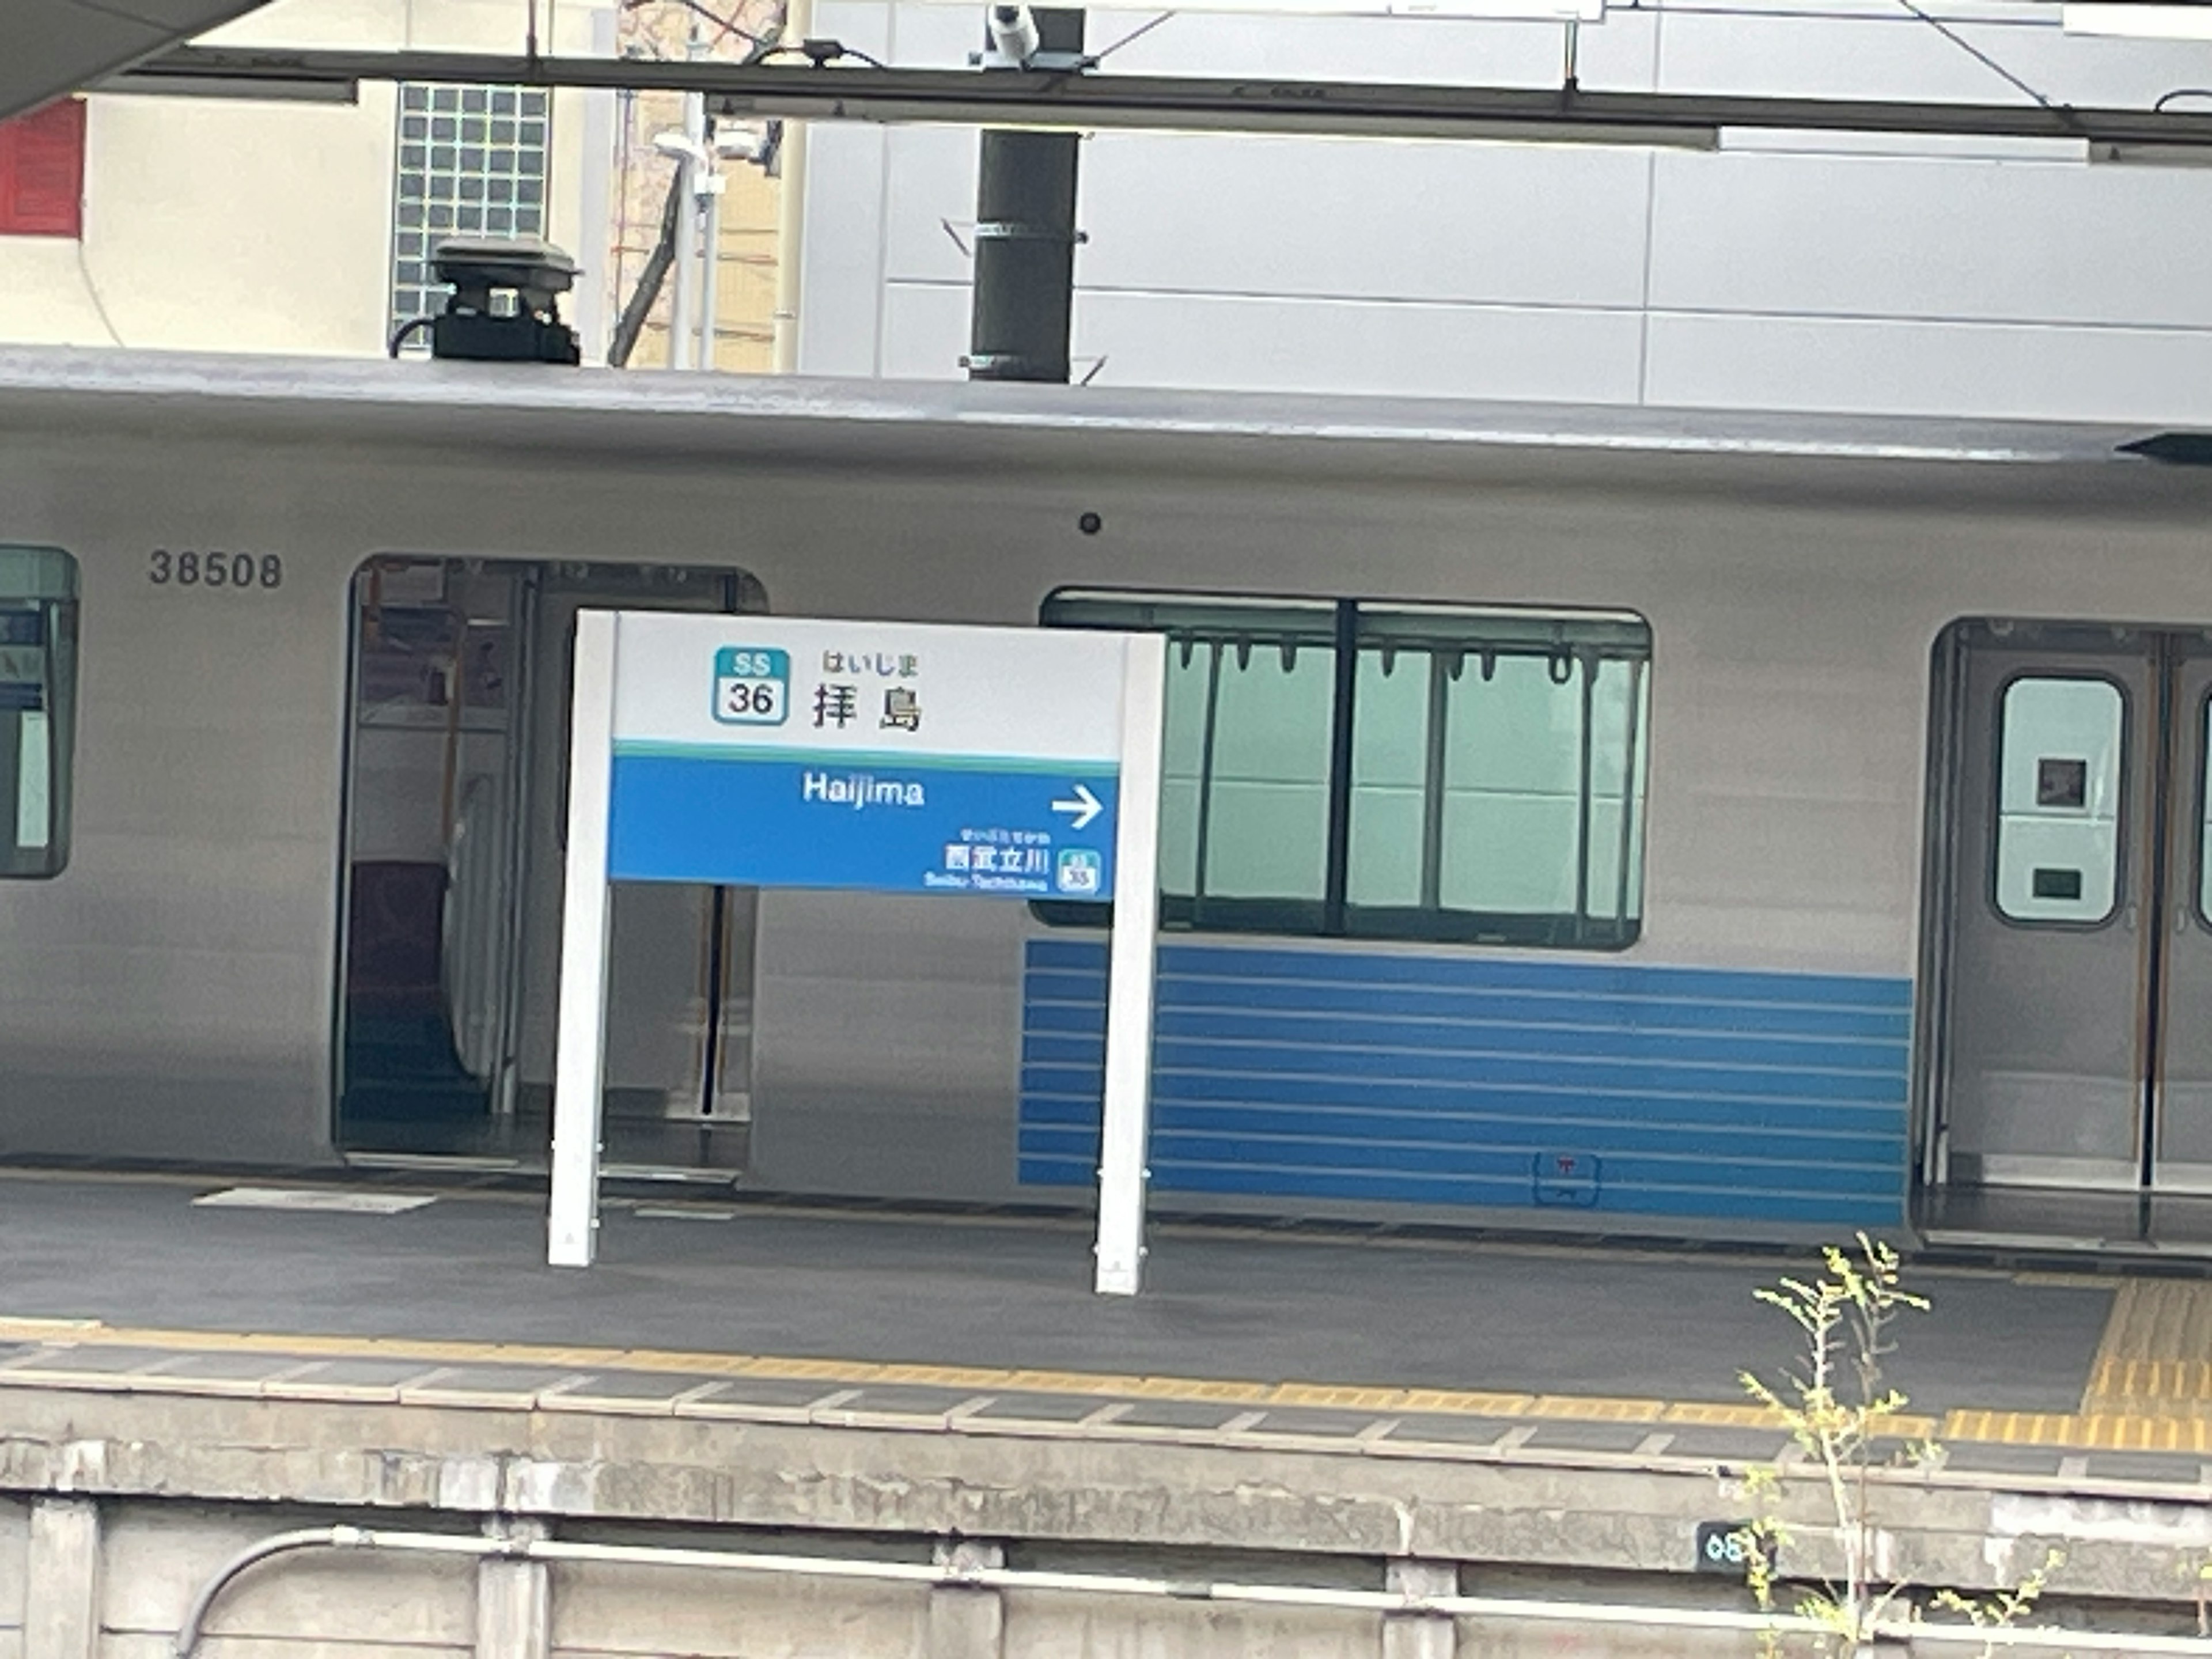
1403 1080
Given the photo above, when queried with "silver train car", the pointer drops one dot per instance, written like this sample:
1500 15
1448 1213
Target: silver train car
1601 821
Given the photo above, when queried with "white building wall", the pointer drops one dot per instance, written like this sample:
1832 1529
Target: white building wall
1794 272
223 224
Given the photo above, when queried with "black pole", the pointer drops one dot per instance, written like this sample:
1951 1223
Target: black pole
1026 241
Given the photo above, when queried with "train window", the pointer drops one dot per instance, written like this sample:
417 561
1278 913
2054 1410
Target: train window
2056 850
1245 795
1497 776
38 708
1490 787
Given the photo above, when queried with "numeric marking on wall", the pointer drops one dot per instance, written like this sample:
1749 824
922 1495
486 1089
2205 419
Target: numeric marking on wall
173 568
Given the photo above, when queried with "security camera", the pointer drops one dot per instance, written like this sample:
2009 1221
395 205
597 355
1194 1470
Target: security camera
1014 33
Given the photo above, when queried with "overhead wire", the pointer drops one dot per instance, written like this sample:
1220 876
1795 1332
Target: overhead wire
1136 33
2063 111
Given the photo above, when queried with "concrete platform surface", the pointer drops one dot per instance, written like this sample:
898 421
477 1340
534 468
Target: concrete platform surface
1452 1338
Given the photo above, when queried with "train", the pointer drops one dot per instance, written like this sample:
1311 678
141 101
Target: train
1604 821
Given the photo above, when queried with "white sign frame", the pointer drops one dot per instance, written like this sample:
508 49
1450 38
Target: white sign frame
573 1212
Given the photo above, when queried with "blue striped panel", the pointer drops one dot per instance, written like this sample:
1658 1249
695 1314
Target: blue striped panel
1435 1080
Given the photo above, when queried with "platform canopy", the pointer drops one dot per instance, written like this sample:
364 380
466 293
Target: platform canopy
58 46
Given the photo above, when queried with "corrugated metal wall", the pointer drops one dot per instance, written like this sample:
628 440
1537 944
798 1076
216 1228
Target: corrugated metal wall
1430 1079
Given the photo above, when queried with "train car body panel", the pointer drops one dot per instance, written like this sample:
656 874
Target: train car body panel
1746 1066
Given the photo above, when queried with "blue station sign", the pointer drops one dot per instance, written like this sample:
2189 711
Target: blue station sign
881 756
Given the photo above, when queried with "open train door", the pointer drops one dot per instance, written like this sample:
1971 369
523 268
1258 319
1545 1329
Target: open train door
455 792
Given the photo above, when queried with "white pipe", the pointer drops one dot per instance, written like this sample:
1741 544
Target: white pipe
710 268
791 211
1016 1578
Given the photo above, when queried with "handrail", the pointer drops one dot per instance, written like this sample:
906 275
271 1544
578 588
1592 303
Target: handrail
948 1576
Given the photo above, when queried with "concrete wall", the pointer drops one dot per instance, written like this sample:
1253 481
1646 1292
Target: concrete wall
1799 273
117 1508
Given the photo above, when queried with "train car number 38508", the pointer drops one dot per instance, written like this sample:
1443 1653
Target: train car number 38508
167 569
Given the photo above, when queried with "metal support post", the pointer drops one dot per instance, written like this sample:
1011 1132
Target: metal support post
573 1219
1420 1635
1025 239
710 266
1125 1126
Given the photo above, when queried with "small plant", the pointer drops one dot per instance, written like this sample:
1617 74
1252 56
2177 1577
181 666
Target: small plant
1843 1418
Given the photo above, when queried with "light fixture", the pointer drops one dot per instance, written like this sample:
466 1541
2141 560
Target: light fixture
2137 23
682 147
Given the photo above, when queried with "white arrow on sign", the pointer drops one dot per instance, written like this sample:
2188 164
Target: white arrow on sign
1085 807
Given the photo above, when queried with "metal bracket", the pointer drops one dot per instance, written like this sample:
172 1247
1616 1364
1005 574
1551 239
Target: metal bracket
1008 230
992 364
1037 63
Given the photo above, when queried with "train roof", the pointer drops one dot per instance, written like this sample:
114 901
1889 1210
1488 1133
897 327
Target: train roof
916 423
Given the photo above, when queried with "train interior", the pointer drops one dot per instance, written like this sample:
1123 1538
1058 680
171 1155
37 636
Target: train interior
455 793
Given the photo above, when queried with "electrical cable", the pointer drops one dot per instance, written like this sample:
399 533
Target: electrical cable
399 338
2063 111
92 292
1136 33
822 53
2166 98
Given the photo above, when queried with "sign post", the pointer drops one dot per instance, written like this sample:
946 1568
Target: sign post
875 757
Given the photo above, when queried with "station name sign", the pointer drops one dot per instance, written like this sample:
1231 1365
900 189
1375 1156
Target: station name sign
890 757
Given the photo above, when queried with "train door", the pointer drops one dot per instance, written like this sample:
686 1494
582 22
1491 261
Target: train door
456 799
2072 987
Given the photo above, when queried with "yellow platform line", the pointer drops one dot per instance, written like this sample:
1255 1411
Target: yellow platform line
2145 1428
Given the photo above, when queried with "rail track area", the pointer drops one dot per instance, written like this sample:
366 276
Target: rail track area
396 1290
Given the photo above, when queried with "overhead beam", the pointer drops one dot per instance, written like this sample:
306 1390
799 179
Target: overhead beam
803 91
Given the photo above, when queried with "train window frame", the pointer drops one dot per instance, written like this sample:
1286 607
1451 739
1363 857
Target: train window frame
2123 817
46 597
1359 631
2200 896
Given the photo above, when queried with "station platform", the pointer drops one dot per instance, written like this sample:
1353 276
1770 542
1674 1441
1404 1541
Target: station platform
391 1287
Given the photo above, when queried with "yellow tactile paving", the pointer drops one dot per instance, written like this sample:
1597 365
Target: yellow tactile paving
2085 1432
2155 1358
941 1376
1342 1399
2150 1390
1597 1408
1453 1402
1708 1414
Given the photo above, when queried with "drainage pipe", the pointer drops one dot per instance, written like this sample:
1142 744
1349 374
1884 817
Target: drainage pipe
1014 1578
